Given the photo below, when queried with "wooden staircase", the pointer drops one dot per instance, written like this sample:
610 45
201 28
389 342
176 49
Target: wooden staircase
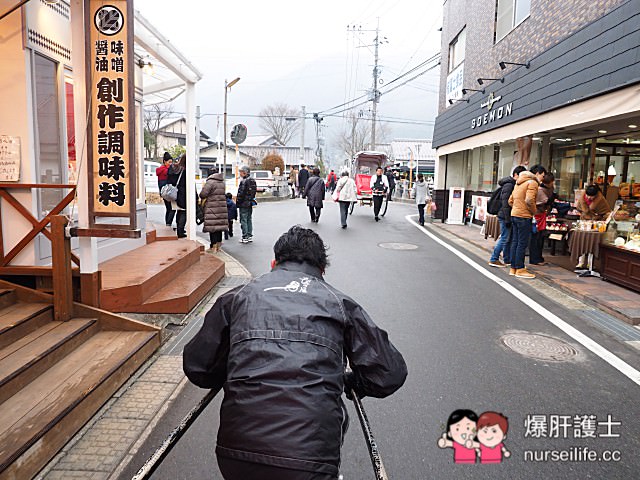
54 376
169 276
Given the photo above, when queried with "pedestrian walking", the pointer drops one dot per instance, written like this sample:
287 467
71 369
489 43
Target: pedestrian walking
293 181
503 245
303 176
523 208
314 193
162 172
177 176
282 368
420 193
544 200
379 186
391 178
215 209
232 214
345 194
331 181
245 200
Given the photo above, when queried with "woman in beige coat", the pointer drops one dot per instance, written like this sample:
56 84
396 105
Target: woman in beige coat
215 210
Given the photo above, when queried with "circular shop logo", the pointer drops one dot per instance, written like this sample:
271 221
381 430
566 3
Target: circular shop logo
109 20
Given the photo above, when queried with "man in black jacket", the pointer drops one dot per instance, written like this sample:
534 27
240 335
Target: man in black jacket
504 218
245 200
303 177
279 346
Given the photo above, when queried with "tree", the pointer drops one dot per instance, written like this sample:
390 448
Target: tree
281 121
271 161
176 151
356 134
153 116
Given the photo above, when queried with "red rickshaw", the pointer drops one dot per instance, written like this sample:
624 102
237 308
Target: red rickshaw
363 167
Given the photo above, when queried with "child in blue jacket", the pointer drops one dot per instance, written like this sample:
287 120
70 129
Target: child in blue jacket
232 214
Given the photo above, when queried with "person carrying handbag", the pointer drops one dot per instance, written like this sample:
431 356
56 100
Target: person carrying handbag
177 177
345 194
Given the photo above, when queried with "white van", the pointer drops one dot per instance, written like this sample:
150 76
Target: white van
264 180
150 178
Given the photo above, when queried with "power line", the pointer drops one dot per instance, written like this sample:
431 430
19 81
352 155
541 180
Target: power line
431 59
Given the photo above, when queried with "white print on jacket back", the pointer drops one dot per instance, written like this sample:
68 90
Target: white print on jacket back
293 286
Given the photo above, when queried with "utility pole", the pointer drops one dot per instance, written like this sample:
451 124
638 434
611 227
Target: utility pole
302 134
374 92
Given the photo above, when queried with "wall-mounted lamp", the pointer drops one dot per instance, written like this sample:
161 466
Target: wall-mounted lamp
465 90
482 80
503 65
451 100
147 67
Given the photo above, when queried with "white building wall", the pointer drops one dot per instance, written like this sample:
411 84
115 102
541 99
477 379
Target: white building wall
16 120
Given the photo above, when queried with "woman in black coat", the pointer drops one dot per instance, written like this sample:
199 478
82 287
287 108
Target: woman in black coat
314 193
177 175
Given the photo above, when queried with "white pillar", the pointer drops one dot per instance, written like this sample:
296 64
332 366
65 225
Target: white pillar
192 146
88 246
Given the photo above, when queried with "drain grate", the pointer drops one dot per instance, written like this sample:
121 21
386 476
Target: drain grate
540 347
398 246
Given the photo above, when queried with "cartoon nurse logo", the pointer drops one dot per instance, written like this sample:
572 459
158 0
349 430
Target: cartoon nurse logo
473 437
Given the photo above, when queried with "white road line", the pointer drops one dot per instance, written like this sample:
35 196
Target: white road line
613 360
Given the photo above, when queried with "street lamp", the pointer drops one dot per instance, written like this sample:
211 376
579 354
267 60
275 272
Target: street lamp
227 87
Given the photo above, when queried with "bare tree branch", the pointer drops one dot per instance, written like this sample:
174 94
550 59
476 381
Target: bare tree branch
273 120
153 116
356 134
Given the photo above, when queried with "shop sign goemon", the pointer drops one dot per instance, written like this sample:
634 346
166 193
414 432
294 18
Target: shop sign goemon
492 114
109 66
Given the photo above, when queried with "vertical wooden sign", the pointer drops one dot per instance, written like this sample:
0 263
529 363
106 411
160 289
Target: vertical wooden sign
110 96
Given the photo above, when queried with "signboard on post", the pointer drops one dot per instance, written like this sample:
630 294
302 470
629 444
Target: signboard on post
111 127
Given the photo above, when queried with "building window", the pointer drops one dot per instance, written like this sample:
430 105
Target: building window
509 14
49 142
456 50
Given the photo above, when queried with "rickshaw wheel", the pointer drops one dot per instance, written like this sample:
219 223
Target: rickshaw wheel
386 204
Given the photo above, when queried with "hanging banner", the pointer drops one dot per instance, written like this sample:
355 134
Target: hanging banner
111 132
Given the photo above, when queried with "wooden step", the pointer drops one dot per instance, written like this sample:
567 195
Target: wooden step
20 319
38 420
7 297
133 277
31 355
164 233
186 290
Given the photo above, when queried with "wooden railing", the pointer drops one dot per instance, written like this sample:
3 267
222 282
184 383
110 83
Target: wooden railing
38 226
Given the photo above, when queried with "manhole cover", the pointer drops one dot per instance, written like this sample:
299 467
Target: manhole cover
398 246
540 347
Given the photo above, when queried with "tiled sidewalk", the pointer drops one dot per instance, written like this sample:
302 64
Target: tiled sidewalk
613 299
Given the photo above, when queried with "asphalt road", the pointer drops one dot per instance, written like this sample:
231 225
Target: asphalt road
447 319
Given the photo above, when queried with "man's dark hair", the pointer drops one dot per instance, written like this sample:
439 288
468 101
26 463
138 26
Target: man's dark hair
228 195
518 170
538 169
592 190
315 171
301 245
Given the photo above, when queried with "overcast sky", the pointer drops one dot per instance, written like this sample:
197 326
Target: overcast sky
301 53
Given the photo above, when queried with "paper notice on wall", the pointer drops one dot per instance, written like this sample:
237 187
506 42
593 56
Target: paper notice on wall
9 158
